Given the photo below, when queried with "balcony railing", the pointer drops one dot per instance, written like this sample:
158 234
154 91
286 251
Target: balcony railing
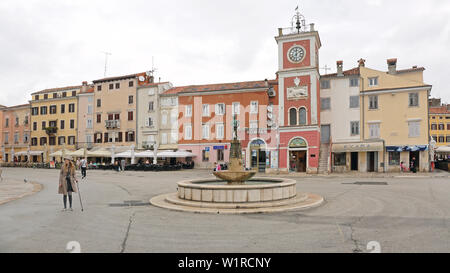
112 124
51 130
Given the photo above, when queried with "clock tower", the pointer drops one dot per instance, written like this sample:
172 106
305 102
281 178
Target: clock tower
299 96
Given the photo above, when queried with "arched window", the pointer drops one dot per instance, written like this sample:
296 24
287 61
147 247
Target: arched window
302 116
292 116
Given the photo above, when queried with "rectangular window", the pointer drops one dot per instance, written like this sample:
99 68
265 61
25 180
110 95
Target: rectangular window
52 123
45 96
43 110
99 118
6 138
374 130
34 141
325 84
205 131
52 141
149 122
43 141
34 126
89 109
99 88
354 101
394 158
64 94
447 139
441 139
72 124
71 140
205 155
89 123
205 110
220 109
413 99
150 106
253 107
25 138
74 93
441 126
61 125
117 85
373 81
130 115
220 155
354 125
63 108
236 108
130 99
99 103
173 138
6 122
219 131
16 138
187 131
44 124
414 128
433 126
188 110
61 140
55 95
325 103
448 126
36 97
130 84
354 82
373 102
52 109
35 111
17 122
111 86
71 108
339 159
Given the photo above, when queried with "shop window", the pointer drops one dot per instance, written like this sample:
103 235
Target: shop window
339 159
220 155
394 158
205 156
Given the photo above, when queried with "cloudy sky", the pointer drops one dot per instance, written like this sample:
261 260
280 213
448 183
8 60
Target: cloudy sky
47 44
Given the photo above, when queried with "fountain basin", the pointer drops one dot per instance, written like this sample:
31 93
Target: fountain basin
234 177
254 190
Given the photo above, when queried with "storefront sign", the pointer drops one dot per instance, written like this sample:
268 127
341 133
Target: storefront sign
218 147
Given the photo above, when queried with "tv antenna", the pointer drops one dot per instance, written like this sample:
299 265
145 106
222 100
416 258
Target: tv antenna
106 60
326 68
153 70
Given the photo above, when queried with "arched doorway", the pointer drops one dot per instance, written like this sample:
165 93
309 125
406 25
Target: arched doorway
258 155
298 154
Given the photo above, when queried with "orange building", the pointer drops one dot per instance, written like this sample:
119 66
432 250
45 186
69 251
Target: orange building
16 133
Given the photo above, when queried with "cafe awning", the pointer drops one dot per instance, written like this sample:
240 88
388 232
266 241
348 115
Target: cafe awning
443 149
357 147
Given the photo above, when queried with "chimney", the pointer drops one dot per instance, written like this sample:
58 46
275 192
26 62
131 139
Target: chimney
340 66
361 62
392 66
280 31
311 27
84 87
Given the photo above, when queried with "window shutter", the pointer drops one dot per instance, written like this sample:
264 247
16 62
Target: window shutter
126 136
120 136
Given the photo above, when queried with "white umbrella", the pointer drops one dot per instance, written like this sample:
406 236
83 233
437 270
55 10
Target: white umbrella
113 156
126 154
443 149
132 154
99 153
60 153
147 153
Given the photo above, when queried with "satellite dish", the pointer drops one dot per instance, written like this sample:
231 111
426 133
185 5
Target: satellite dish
141 78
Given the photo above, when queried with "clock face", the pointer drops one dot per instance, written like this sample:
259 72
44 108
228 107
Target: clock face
296 54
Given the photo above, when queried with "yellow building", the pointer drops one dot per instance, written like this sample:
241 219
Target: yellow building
394 113
440 125
54 121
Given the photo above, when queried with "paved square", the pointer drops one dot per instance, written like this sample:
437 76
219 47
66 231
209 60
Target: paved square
403 214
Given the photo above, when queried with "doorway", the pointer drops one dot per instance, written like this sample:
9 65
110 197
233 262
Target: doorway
416 161
354 161
297 161
258 155
372 161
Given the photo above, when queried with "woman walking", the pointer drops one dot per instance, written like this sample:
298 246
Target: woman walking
67 181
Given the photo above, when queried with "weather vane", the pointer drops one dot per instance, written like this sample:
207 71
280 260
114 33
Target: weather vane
299 20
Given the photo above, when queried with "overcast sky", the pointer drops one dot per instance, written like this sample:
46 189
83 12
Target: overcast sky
47 44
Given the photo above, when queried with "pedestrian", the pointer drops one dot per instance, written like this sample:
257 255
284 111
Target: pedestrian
67 181
83 164
413 165
122 164
78 163
402 167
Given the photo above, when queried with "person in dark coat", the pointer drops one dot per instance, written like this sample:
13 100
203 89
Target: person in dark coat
67 181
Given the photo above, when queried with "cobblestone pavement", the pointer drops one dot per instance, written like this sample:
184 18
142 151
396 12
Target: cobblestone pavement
406 213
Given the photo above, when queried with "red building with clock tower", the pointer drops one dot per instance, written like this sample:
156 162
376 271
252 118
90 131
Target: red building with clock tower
299 97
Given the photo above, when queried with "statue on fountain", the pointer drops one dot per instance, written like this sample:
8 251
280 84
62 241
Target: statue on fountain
236 173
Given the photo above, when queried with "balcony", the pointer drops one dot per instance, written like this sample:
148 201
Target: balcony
112 124
51 130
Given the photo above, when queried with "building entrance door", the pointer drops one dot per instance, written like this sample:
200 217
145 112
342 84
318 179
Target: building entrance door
258 156
354 161
297 161
414 155
372 162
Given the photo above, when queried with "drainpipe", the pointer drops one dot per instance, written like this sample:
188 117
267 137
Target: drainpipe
384 156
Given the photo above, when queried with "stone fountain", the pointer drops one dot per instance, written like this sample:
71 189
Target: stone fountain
237 191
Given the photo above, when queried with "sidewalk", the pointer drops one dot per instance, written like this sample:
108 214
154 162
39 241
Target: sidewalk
435 173
11 190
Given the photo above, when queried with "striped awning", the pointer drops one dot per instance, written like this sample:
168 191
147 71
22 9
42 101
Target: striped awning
357 147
